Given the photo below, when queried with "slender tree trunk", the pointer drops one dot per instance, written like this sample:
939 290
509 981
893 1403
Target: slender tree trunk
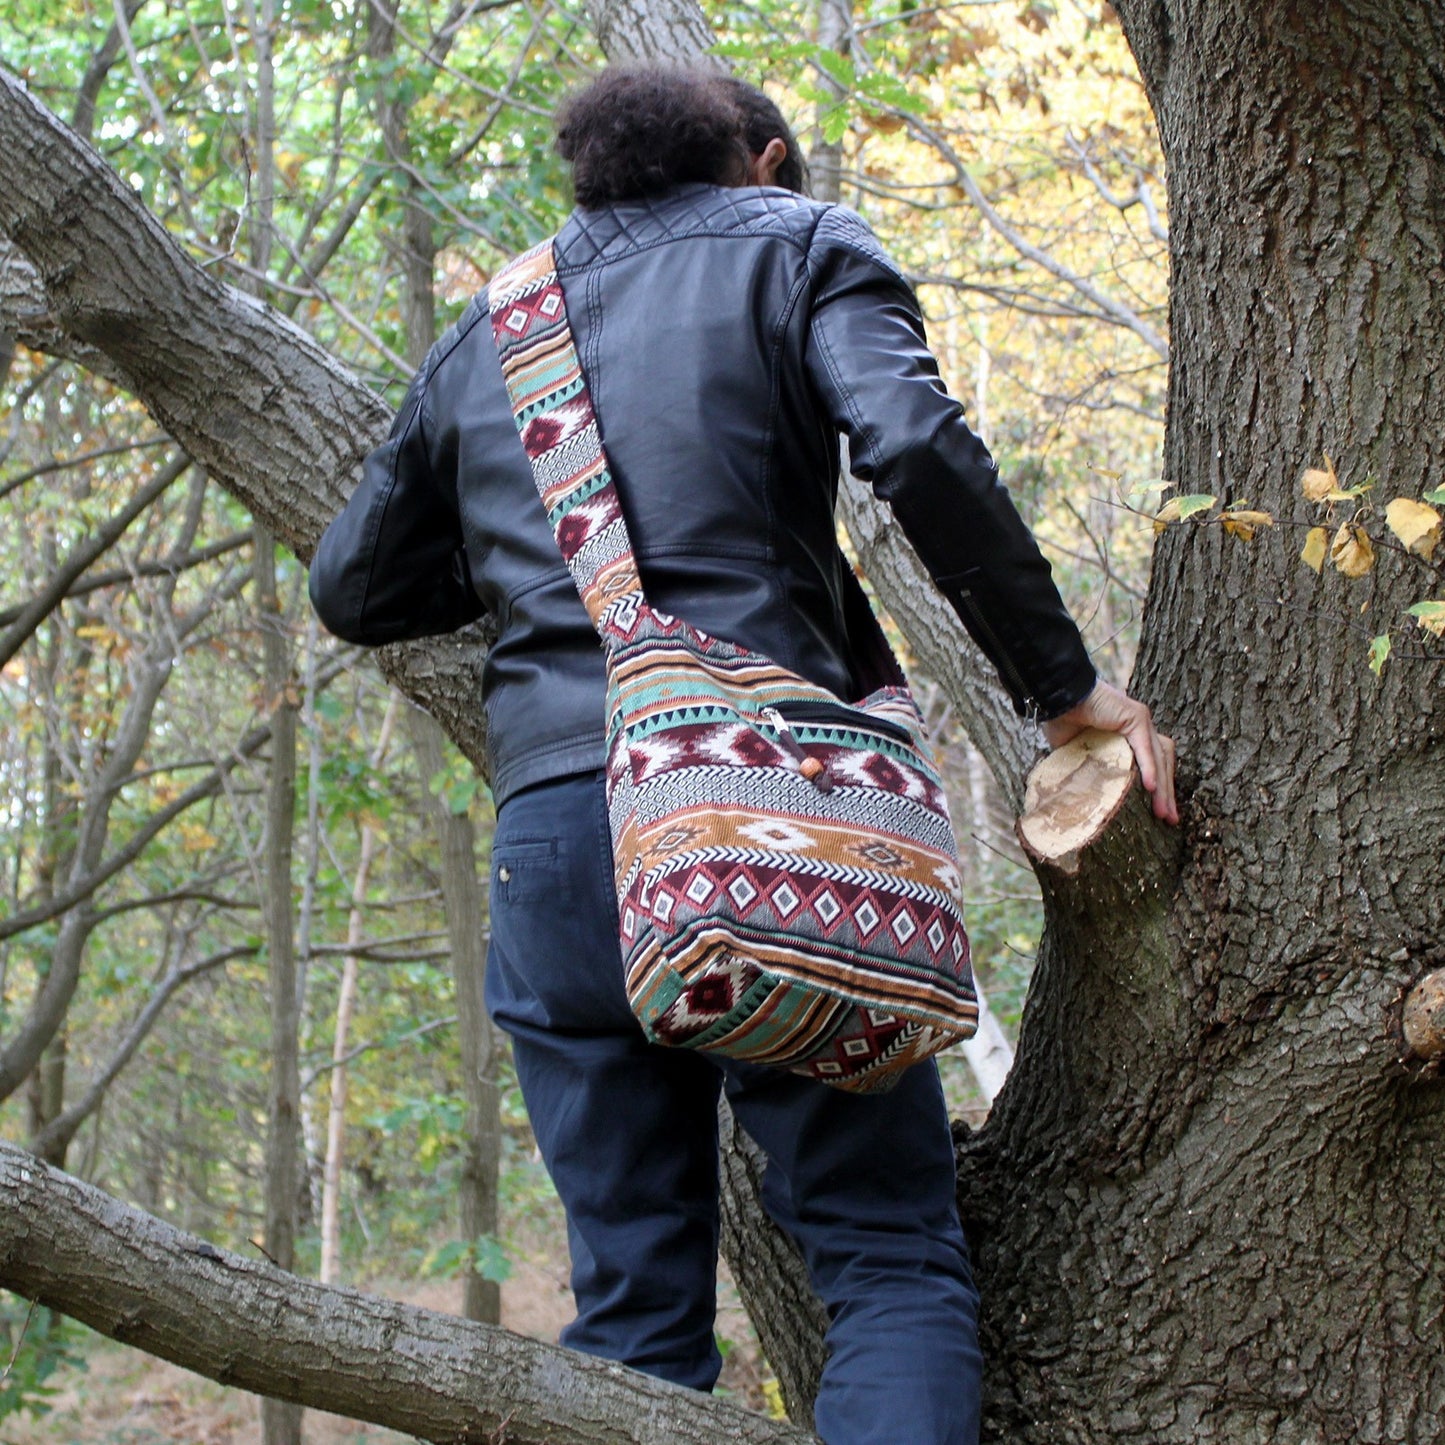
825 159
341 1040
280 1422
467 937
47 1091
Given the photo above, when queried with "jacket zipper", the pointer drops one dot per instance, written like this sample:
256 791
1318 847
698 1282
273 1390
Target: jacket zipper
1005 662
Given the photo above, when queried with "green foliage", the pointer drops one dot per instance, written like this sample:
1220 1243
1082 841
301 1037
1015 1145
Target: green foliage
34 1343
484 1255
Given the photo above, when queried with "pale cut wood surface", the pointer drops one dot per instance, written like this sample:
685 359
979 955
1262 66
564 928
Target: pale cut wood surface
1073 795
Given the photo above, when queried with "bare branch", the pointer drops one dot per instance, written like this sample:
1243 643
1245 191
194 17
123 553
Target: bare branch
420 1032
58 1133
65 464
246 1323
1140 197
1108 306
33 613
123 14
157 567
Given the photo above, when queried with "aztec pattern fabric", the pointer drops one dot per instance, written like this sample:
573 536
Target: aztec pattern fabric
787 877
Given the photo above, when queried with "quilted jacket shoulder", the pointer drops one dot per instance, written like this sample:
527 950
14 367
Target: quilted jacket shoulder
615 232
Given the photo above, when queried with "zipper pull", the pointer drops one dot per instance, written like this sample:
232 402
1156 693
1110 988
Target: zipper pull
815 771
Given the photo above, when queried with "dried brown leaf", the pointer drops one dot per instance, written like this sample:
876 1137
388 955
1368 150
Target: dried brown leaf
1317 485
1242 523
1351 551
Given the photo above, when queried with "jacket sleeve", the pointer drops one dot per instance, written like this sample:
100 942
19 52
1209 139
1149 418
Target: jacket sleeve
870 362
393 565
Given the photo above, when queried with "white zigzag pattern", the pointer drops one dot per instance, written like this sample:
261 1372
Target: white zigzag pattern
761 790
602 547
851 765
801 864
497 300
568 457
622 611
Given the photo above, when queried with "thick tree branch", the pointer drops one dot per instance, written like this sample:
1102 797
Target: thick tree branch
284 429
246 1323
28 317
945 652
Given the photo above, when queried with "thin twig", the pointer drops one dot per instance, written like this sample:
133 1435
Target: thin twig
18 1343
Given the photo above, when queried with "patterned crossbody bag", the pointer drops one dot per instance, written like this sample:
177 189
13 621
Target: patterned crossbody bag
787 877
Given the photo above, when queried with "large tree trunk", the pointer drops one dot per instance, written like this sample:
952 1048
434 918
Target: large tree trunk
1211 1206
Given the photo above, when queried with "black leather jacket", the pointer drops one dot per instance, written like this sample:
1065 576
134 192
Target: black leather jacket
728 336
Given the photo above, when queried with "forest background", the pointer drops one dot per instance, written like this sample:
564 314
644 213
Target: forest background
229 834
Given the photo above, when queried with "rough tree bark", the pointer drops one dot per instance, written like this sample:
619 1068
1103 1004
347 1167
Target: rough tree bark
244 1322
1210 1203
1211 1206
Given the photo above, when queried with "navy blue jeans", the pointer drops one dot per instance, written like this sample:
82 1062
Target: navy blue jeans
864 1184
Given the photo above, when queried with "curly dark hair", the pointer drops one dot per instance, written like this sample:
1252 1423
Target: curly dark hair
638 130
762 122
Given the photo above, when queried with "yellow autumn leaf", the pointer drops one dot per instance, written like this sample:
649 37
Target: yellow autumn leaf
289 164
1169 512
1430 616
1316 548
1351 551
196 837
1317 485
1416 525
1242 523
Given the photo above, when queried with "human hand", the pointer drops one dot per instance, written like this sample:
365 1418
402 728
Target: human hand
1113 711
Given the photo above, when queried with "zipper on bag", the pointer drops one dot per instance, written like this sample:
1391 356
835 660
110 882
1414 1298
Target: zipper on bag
825 714
814 769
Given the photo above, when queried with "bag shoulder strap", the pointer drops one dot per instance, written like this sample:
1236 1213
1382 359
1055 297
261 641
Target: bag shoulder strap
553 411
558 426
